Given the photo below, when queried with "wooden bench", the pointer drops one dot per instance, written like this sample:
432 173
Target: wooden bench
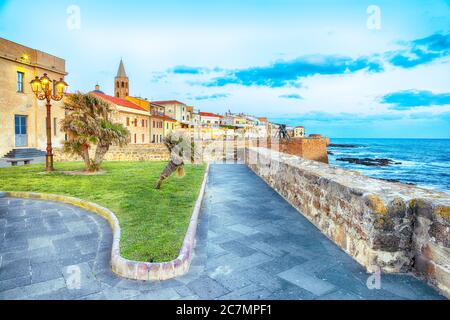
14 162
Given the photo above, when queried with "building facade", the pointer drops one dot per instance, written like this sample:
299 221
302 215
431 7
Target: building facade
135 118
209 119
299 132
22 116
176 110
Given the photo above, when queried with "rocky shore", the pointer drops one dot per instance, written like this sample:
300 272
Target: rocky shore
369 161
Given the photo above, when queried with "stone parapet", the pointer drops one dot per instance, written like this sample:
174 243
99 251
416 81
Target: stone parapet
138 152
391 226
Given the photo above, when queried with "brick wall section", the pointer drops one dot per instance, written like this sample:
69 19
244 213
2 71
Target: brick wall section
396 227
143 152
307 148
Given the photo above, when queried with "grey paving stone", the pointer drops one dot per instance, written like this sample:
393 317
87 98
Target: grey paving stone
183 291
247 236
291 292
282 263
15 282
15 269
251 292
45 271
313 284
237 248
340 295
207 288
164 294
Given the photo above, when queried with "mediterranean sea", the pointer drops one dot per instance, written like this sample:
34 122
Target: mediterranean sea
423 162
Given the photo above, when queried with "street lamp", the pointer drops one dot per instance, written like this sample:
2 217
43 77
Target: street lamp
43 90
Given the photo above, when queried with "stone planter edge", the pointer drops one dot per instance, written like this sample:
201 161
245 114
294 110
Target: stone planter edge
134 270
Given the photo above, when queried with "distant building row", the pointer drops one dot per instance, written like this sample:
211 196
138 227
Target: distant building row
23 120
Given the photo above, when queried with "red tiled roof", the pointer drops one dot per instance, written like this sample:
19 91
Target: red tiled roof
119 102
167 102
163 117
299 127
209 114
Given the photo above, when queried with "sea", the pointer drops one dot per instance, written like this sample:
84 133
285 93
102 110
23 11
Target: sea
422 162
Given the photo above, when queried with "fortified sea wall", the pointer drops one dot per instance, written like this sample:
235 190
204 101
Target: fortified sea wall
217 150
391 226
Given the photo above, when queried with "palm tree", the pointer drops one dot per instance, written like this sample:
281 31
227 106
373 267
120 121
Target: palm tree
180 148
88 122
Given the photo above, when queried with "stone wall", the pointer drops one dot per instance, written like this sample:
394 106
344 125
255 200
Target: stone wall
307 148
391 226
142 152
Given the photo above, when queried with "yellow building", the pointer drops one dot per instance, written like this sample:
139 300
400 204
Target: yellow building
135 118
176 110
169 125
22 116
299 132
140 102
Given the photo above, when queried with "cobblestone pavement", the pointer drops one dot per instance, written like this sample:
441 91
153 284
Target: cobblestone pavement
251 244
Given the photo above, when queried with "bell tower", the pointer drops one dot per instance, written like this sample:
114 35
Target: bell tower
121 89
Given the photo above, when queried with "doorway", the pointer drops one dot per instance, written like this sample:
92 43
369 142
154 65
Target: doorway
20 124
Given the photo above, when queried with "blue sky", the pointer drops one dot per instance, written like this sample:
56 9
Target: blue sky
314 63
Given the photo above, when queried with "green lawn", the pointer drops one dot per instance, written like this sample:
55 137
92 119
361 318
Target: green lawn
153 222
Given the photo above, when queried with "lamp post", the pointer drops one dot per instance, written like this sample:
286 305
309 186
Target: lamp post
43 90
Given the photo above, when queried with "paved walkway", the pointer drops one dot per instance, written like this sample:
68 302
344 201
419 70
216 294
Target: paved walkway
251 245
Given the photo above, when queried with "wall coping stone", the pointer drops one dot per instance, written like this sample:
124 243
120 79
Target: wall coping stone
135 270
360 183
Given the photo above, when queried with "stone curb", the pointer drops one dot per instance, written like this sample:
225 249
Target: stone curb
135 270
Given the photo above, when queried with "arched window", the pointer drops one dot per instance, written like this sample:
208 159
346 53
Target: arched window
117 94
117 84
123 84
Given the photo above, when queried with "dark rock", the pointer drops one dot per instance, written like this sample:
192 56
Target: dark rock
369 161
397 181
342 145
330 153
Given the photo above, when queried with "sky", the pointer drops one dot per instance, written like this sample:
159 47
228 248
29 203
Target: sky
355 68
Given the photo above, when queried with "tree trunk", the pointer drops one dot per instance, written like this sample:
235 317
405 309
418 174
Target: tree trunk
175 163
98 158
85 155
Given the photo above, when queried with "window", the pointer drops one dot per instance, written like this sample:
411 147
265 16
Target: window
135 122
117 94
20 77
123 84
135 138
128 122
160 138
153 141
117 84
153 124
143 123
143 138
